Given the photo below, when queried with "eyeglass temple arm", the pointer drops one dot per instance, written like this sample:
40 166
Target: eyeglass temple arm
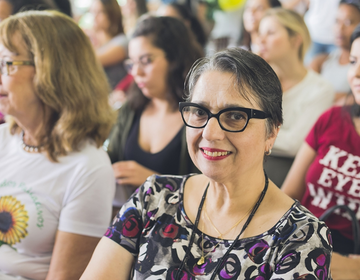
259 114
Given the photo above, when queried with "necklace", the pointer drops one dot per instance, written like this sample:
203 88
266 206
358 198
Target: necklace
29 148
202 259
192 237
226 232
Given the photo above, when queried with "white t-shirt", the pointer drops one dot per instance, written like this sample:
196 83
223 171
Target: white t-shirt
300 8
73 195
320 20
302 105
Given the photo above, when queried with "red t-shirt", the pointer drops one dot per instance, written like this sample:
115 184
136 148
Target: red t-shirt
334 176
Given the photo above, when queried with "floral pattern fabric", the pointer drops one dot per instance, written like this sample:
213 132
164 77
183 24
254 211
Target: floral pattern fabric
154 228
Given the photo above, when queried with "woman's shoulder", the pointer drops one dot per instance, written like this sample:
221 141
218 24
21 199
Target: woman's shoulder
166 190
311 88
119 40
88 156
333 116
165 184
299 223
316 81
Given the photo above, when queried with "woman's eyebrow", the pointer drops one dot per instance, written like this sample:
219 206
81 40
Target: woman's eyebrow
232 106
226 106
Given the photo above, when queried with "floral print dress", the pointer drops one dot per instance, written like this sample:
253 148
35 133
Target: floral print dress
155 229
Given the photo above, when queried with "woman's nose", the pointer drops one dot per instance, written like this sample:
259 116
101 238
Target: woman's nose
137 70
357 70
213 131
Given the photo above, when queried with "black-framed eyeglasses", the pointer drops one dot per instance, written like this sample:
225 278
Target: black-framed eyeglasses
230 119
5 66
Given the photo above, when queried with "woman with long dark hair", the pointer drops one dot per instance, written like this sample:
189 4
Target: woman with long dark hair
149 136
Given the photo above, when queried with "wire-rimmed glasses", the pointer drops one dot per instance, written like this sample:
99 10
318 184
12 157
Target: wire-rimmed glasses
5 66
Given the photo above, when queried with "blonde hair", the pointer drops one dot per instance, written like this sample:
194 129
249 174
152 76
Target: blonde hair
69 80
294 24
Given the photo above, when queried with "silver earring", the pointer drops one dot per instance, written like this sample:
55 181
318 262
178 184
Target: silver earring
268 153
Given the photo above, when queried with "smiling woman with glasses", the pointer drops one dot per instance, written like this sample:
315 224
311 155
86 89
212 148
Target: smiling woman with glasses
231 221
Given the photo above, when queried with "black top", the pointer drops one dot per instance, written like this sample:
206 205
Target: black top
164 162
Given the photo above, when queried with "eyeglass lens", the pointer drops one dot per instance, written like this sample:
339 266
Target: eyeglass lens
230 120
4 68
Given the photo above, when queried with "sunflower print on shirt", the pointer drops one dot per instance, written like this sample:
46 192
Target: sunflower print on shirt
13 220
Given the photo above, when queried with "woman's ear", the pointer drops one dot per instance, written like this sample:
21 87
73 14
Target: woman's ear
271 139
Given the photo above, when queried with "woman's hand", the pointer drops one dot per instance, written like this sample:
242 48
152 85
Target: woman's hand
131 173
117 98
345 267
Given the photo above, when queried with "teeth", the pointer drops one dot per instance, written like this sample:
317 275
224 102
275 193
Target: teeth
215 154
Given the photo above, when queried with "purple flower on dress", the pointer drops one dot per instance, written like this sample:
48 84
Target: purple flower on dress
256 250
288 262
318 262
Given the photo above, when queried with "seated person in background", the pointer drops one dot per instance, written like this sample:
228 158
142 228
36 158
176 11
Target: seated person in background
183 13
326 170
149 136
284 41
333 67
108 39
230 222
299 6
253 12
56 181
132 10
16 6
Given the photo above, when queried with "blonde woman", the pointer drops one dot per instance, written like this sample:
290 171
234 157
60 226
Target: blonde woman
284 42
56 182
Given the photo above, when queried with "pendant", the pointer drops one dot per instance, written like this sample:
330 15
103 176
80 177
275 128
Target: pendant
201 261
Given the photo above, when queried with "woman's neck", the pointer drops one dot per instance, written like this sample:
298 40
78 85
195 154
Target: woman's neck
254 42
237 195
356 121
161 106
344 56
34 127
290 72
